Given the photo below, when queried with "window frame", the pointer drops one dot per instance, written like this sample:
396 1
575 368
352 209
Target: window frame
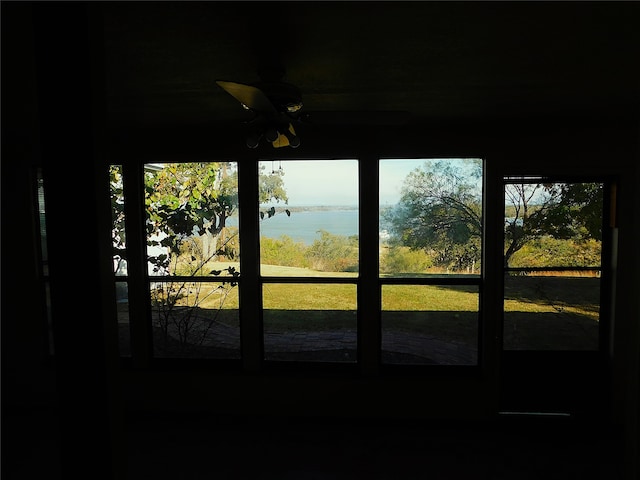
606 262
368 281
472 280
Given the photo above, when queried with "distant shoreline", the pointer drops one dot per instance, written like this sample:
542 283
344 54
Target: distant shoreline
308 208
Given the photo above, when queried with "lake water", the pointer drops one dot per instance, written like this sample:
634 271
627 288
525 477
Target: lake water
303 226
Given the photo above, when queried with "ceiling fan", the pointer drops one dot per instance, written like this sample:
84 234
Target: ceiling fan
276 104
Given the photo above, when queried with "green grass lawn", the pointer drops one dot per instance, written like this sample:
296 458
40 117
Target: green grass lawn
546 311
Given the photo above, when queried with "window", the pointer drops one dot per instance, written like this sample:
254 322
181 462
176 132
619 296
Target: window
309 245
328 270
193 259
552 264
118 239
44 257
430 260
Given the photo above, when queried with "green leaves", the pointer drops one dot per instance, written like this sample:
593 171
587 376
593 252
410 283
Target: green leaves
232 271
333 253
440 211
568 212
271 187
271 212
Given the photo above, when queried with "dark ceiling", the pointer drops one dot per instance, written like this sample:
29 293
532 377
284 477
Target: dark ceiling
375 61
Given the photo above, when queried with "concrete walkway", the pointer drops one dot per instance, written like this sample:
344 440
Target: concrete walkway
407 347
423 346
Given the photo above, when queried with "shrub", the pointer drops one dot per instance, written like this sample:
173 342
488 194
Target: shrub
283 251
550 252
334 253
404 259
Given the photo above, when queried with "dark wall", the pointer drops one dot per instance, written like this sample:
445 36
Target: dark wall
45 73
23 343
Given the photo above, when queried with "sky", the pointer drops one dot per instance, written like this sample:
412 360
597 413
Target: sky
335 182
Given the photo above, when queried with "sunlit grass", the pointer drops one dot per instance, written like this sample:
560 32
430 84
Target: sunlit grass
342 297
210 296
430 297
590 311
285 296
280 271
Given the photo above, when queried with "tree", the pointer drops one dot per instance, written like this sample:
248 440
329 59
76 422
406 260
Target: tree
440 211
118 239
188 199
578 213
271 186
334 253
564 211
522 221
187 208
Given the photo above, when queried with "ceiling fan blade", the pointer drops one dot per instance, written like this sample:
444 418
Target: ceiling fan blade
248 95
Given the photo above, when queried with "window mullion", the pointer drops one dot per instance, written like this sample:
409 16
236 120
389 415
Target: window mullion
250 286
369 342
139 305
491 304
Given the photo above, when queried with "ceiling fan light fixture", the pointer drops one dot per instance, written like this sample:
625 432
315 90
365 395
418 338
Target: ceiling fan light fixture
294 142
293 107
271 134
253 139
281 141
290 134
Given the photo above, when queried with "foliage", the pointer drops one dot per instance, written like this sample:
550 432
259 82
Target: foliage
177 305
547 251
561 211
271 186
192 259
403 260
578 213
187 207
187 199
440 211
334 253
283 251
118 239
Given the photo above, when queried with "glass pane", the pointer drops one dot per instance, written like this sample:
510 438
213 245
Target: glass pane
118 234
310 322
309 218
122 309
430 216
552 248
551 311
44 256
195 319
430 324
42 224
190 212
553 225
